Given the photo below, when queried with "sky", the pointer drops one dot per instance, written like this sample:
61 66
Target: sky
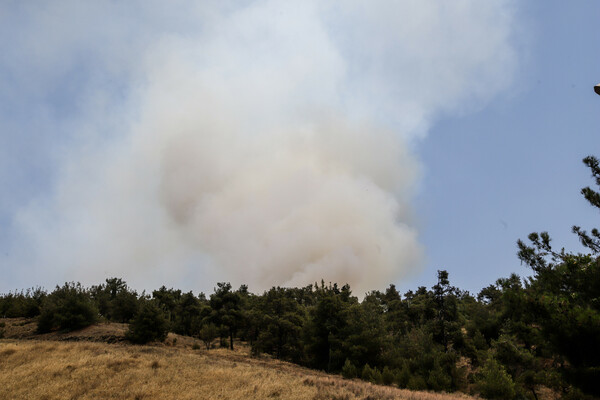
515 167
277 144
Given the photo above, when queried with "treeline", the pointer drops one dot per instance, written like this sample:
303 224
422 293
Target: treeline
508 342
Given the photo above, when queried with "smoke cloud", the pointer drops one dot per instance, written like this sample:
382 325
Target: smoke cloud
266 142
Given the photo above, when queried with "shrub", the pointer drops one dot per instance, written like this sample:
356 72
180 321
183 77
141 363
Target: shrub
416 382
22 304
207 334
387 376
148 325
223 342
349 370
438 379
403 376
494 382
67 308
377 376
367 373
371 374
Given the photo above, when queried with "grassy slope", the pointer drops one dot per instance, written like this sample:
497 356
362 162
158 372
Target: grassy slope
77 367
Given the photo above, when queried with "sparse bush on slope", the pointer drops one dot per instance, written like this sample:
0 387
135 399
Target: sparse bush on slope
207 334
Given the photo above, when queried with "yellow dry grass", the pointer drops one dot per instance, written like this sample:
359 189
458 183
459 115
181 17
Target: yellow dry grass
34 369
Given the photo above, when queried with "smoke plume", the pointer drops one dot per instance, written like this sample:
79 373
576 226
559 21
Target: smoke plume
265 142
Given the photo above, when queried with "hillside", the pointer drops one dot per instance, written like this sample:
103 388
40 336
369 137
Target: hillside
84 365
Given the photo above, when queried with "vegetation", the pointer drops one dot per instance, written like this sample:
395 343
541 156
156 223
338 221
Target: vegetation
84 370
514 340
148 325
67 308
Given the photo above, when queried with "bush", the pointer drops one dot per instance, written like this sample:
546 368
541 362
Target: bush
438 379
148 325
349 370
367 373
22 304
67 308
223 342
403 376
494 382
115 300
416 382
207 334
387 376
371 374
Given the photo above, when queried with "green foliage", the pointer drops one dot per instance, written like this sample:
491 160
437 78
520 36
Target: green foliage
364 336
207 334
67 308
416 382
325 327
387 376
349 370
425 363
281 323
563 298
494 382
22 304
439 379
148 325
167 300
226 312
371 374
403 376
189 311
114 300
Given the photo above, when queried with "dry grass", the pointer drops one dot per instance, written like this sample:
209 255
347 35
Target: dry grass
82 366
89 370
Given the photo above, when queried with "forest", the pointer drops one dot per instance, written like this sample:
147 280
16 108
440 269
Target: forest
516 337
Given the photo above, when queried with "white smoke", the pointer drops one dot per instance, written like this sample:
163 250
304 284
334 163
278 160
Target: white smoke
266 143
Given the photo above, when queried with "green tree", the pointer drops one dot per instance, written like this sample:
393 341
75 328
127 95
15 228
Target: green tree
148 325
187 314
168 300
26 303
208 333
349 371
494 382
563 298
226 311
115 300
325 327
364 337
445 326
67 308
281 325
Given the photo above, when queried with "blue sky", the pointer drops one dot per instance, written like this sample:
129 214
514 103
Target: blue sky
515 166
270 144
